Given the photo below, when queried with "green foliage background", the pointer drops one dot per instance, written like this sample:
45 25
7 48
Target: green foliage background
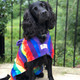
61 20
4 10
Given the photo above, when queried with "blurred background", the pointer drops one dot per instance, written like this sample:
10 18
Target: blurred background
65 35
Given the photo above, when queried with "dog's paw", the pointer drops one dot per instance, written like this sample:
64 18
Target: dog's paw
41 75
51 78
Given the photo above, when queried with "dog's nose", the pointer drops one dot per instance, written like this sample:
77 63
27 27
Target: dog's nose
44 12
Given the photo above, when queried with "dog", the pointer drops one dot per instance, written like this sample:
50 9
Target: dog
37 21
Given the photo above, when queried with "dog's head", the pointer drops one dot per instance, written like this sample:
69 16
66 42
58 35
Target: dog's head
39 13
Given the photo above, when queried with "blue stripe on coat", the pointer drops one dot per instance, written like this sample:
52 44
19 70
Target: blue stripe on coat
35 46
49 41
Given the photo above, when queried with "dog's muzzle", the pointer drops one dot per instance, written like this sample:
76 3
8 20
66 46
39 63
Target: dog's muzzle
43 16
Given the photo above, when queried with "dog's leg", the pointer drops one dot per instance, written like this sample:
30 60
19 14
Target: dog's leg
49 69
30 71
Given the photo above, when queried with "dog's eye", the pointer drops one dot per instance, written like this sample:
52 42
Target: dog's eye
41 4
35 8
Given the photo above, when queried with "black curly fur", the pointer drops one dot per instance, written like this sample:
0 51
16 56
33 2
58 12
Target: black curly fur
32 28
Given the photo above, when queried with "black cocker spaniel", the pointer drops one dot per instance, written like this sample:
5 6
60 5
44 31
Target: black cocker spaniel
37 21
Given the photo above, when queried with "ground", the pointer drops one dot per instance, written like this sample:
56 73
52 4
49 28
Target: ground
59 73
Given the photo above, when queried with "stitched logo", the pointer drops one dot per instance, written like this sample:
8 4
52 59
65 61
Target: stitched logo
43 46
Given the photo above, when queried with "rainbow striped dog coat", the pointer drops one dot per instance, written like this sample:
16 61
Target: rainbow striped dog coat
30 50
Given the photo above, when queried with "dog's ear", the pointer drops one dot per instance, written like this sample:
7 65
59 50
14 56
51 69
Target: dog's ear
52 17
28 25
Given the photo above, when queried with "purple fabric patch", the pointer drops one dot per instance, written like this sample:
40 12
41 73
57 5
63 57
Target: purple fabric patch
19 42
